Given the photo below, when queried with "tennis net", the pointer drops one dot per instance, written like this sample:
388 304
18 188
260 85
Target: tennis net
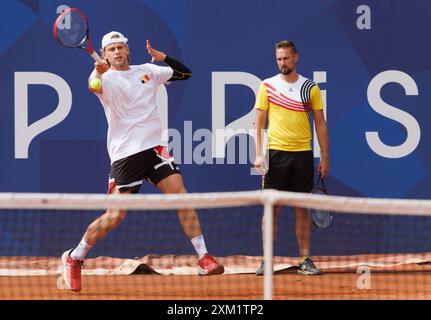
374 249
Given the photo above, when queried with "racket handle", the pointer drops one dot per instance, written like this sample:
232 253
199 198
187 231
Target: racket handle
323 184
96 57
320 179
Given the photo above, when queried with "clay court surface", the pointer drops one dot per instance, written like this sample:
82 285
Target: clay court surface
393 276
289 286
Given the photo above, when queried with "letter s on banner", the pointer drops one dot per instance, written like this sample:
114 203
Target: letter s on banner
386 110
25 133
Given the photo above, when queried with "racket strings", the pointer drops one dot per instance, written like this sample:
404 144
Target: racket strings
73 32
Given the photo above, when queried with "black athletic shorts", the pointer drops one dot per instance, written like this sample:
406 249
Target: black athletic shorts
153 164
290 171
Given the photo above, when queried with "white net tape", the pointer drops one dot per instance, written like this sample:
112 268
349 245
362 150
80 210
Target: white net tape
214 200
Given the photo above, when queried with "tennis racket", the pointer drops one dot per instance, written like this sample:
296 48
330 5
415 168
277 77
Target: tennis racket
72 30
322 219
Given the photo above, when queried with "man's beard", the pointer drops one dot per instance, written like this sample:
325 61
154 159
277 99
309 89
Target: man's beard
286 71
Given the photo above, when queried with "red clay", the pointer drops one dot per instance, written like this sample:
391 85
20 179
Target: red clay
339 286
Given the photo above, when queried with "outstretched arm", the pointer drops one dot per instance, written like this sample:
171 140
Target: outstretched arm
101 68
181 72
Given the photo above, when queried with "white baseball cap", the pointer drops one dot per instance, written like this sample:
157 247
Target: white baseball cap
113 37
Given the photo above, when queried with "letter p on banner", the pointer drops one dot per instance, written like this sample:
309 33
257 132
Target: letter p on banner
25 133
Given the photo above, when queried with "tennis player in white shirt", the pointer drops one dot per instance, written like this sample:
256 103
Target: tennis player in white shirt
128 95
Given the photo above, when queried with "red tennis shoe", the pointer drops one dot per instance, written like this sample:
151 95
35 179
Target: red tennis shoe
208 266
71 271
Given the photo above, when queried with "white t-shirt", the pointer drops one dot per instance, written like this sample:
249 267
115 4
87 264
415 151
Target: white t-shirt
129 101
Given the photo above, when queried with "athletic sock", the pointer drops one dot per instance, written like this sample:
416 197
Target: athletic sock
303 258
199 245
80 251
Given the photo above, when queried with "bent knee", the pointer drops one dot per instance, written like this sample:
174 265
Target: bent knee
179 188
116 216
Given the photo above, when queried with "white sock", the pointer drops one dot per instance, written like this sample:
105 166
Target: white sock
80 251
199 245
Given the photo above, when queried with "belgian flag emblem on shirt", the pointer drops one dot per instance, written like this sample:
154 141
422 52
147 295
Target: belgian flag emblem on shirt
145 78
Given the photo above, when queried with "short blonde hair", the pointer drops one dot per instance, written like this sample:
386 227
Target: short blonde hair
286 44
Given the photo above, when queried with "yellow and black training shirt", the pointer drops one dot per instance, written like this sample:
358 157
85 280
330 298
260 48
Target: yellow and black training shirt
288 105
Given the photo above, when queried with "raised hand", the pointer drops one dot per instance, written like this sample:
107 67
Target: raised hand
101 67
155 54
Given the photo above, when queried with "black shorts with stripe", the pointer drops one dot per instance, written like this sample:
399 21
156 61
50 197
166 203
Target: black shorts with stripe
128 174
290 171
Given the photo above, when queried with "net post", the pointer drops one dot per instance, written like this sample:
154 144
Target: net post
268 247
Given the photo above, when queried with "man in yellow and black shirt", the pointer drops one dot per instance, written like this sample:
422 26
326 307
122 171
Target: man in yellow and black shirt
287 100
